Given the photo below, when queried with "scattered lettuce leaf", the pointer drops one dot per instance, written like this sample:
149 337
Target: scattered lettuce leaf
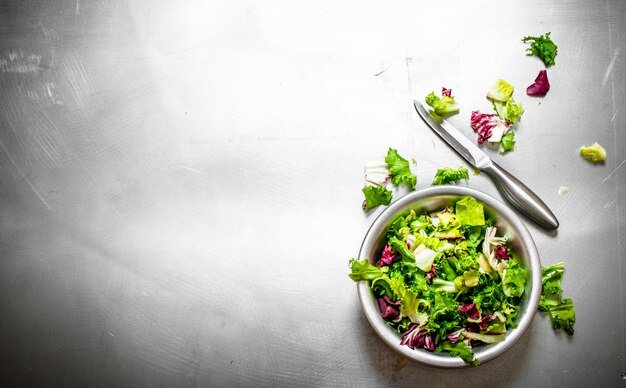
513 111
507 143
563 316
595 153
449 175
541 85
562 313
563 190
489 127
376 172
500 91
375 196
444 106
500 108
470 212
543 47
508 110
399 169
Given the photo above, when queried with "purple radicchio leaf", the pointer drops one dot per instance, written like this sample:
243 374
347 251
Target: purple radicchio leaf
388 308
453 337
446 92
470 309
541 85
416 338
386 257
501 253
485 321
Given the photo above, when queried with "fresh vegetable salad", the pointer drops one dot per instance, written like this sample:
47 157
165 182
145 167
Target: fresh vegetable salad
447 281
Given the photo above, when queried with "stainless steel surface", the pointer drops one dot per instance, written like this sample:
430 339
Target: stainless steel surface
180 183
434 199
514 191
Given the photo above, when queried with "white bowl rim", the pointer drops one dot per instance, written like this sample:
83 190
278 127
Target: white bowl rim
482 354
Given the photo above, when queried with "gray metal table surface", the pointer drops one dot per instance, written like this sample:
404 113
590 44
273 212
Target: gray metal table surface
180 183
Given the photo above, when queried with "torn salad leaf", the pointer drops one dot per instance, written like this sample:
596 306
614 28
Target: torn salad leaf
470 212
430 286
595 153
543 47
541 85
449 175
489 127
399 169
443 106
375 196
507 143
561 311
500 91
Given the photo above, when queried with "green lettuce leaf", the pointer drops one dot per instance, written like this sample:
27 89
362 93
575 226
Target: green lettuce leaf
563 316
514 279
513 111
449 175
399 169
376 195
470 212
460 349
507 143
500 91
363 270
543 47
444 106
400 247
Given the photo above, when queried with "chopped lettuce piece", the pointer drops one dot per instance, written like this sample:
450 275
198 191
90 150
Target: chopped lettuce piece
424 257
514 279
460 349
561 312
449 175
470 212
363 270
376 195
563 190
376 172
489 127
500 91
541 85
507 143
513 111
563 316
595 153
508 110
444 106
486 338
399 169
543 47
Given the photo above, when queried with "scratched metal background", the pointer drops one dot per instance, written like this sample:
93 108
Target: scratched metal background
180 183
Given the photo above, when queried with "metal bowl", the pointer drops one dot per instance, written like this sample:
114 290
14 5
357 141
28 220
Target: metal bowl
507 222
